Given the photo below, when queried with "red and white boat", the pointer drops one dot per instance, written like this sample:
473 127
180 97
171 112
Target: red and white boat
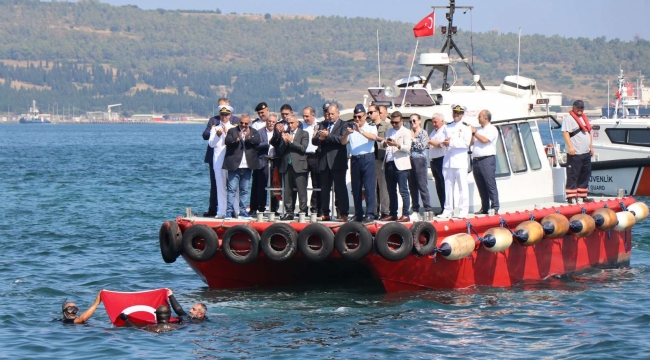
537 234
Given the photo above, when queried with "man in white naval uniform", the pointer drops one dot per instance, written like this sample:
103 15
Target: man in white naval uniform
217 142
454 166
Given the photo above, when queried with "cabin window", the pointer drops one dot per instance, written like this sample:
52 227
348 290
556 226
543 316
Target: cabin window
428 126
502 159
514 150
529 146
616 136
638 137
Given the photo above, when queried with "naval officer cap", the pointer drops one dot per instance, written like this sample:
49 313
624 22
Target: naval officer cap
261 106
458 108
225 109
326 106
359 109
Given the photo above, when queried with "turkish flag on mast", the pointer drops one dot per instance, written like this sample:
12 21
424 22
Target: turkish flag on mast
426 26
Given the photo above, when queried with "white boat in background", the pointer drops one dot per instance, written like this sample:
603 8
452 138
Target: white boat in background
621 148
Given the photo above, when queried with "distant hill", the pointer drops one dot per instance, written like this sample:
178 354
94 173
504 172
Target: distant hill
88 55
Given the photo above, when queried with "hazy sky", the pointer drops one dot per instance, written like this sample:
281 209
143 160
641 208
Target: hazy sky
570 18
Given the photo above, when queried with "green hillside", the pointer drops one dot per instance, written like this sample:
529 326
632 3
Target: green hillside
87 55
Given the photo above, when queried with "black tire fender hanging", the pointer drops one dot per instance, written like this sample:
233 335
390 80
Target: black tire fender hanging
386 241
313 251
236 252
279 242
422 230
363 243
171 241
200 243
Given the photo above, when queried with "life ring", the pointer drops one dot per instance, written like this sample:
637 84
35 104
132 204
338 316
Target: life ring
241 244
425 237
171 241
200 243
309 244
279 242
394 241
353 241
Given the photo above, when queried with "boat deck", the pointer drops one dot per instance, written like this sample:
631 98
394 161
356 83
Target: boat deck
542 208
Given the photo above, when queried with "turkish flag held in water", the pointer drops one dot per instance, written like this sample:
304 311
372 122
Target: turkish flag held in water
426 26
140 306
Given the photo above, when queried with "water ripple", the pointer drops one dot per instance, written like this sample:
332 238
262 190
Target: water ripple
81 210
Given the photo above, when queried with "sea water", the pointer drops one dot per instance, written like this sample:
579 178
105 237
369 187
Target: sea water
80 209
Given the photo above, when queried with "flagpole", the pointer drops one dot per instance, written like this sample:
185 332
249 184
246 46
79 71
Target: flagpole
518 56
408 79
378 61
608 109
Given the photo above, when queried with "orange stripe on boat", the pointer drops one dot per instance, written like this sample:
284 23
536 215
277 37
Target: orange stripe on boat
643 187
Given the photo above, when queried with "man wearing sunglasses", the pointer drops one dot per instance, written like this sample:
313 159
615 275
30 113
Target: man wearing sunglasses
576 131
397 164
70 311
240 160
378 118
360 141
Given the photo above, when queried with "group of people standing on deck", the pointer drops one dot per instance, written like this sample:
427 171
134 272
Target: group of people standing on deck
384 156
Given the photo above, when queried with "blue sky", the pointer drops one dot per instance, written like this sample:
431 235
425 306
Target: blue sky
621 19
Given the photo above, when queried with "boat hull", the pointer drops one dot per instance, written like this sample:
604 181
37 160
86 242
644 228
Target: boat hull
631 175
549 257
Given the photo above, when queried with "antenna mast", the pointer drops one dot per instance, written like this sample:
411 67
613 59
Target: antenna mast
449 44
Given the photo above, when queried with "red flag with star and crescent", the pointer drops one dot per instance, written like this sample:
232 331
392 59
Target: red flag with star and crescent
426 26
140 306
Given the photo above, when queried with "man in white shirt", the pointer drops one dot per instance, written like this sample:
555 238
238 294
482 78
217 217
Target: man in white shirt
454 164
397 165
436 155
261 175
309 125
484 163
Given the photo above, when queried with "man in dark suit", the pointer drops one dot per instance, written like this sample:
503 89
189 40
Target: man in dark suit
240 160
333 163
215 120
261 175
293 165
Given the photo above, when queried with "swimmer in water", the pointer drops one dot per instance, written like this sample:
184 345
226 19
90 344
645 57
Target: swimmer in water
197 312
163 315
70 311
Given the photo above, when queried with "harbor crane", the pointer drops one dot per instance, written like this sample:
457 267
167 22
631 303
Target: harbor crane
109 110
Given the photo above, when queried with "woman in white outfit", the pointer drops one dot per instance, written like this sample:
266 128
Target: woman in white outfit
216 141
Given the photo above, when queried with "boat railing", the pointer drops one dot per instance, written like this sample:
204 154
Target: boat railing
528 118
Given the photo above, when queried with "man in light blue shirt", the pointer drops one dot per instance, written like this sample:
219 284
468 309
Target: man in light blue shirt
360 141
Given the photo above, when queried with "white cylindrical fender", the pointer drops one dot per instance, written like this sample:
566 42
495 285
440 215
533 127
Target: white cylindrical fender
499 239
458 246
640 211
625 221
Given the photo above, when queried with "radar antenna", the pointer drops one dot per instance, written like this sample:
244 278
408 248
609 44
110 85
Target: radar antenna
449 44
